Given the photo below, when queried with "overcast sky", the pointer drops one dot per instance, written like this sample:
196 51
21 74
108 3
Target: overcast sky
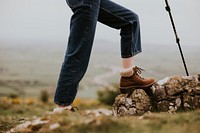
48 21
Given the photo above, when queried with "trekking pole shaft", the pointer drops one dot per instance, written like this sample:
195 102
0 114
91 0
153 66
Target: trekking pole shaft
176 35
186 71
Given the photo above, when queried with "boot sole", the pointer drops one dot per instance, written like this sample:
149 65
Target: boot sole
130 89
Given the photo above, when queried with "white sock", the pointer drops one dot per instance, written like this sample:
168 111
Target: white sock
60 109
126 72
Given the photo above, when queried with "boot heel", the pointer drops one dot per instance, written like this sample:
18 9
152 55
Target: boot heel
126 90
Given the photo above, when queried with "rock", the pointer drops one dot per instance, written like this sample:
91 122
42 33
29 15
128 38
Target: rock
191 102
136 104
98 112
20 127
172 94
159 92
29 126
54 126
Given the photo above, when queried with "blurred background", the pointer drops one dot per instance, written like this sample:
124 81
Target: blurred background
34 33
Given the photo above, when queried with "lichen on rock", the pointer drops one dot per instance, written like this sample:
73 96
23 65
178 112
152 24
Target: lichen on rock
172 94
136 104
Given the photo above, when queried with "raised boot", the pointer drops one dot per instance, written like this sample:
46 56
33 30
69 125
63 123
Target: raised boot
130 80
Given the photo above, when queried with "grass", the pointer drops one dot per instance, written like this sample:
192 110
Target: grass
8 122
14 114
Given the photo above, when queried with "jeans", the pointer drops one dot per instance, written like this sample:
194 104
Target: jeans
86 13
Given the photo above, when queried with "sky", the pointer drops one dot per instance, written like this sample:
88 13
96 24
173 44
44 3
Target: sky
29 21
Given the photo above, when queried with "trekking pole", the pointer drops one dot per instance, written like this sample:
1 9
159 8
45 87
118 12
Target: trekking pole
176 35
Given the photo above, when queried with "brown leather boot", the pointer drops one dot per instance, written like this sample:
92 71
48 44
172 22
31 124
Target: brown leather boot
131 80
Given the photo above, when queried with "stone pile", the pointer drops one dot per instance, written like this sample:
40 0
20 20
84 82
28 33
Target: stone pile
172 94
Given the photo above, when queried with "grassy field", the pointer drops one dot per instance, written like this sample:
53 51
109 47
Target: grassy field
13 113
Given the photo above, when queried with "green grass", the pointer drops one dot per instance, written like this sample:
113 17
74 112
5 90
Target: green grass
14 114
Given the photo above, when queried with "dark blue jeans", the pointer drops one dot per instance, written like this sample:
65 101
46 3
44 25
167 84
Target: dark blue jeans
80 41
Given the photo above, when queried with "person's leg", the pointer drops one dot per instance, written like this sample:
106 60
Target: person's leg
127 62
82 30
118 17
127 21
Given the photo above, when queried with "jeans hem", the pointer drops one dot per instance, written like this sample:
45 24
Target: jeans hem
131 55
62 104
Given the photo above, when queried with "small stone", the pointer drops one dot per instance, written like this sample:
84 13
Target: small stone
163 81
54 126
122 111
132 111
128 102
21 126
160 93
186 105
178 102
99 112
39 122
171 108
188 100
196 102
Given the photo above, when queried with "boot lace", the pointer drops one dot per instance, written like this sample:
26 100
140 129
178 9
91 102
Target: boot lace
74 109
138 71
